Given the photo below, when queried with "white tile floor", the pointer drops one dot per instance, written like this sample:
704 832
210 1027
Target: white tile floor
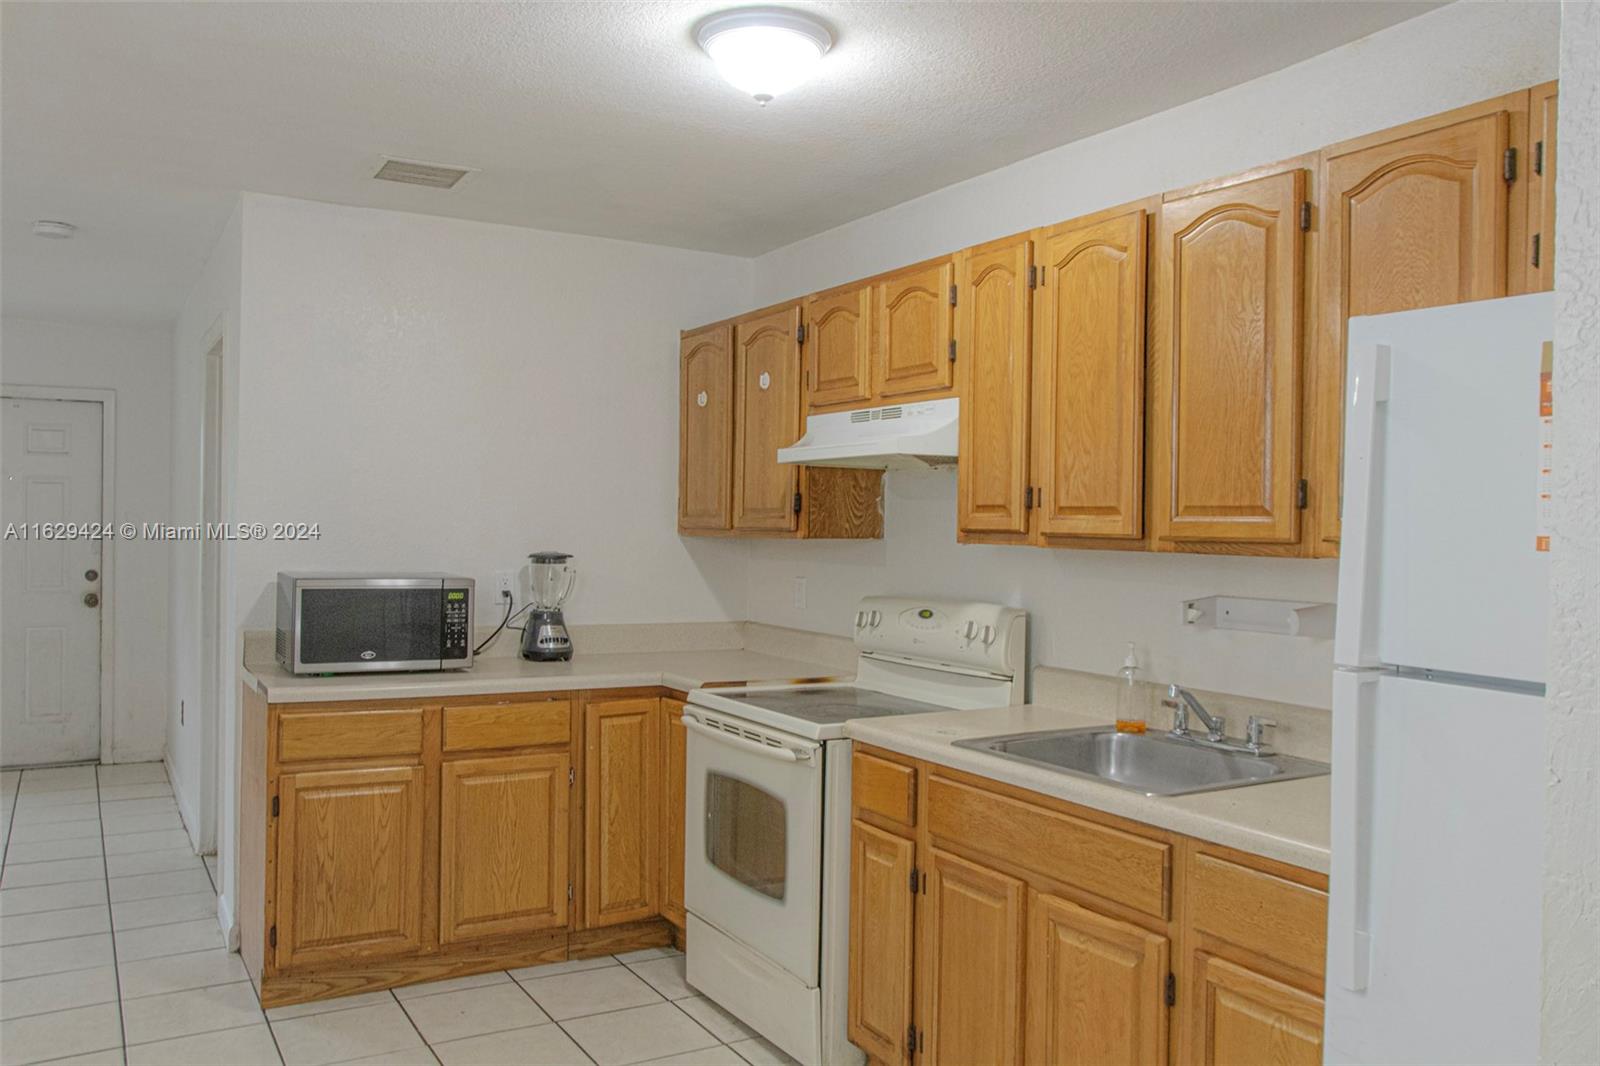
110 953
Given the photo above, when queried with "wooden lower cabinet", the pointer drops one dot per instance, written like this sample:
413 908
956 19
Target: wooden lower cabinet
502 846
970 974
1096 987
1071 949
622 801
882 866
350 870
1241 1016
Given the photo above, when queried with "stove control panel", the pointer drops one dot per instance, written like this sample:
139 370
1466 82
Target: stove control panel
963 633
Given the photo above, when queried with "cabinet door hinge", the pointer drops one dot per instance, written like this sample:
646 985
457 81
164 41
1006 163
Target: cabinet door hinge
572 776
952 296
1033 277
272 936
797 503
800 333
1538 157
274 806
911 1039
1510 172
913 881
1172 990
1302 493
1536 249
1305 214
1027 498
952 350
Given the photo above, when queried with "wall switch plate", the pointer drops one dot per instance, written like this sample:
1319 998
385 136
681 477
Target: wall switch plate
799 593
505 581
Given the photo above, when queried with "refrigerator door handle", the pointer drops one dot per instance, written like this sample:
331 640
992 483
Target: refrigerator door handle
1355 696
1355 635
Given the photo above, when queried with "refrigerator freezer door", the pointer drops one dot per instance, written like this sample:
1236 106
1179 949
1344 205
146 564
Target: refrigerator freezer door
1440 567
1453 853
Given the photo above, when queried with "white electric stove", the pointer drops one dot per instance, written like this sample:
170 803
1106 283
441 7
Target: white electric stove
767 837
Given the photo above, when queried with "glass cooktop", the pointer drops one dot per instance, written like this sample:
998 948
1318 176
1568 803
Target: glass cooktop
831 706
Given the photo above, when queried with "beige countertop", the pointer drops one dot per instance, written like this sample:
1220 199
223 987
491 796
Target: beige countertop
1287 820
508 673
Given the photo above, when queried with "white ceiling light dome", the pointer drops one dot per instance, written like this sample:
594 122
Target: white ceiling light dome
764 51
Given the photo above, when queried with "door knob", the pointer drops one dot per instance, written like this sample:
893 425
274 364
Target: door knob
91 599
91 575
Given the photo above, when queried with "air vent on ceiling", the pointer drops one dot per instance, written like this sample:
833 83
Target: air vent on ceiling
409 173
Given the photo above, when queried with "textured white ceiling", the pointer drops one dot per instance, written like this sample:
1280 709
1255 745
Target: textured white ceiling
139 122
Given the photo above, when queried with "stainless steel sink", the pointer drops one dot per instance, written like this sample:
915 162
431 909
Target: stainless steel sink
1156 764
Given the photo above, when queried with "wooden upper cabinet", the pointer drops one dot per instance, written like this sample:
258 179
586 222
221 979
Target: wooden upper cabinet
705 429
350 865
1541 171
914 324
1225 363
1096 988
1415 218
971 969
1239 1015
502 846
993 330
838 347
621 795
674 752
881 866
1089 368
766 418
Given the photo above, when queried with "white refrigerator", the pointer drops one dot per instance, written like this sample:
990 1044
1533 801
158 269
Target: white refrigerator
1439 651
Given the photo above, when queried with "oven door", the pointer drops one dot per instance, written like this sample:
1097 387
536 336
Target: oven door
753 837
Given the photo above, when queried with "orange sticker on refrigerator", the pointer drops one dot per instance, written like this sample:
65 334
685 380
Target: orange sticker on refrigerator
1541 540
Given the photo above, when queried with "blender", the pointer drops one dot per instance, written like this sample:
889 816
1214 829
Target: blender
544 631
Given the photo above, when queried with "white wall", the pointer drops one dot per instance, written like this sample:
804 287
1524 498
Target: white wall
1085 604
1571 989
133 362
211 311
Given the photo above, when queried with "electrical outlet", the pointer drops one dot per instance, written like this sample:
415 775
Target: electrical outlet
505 582
799 593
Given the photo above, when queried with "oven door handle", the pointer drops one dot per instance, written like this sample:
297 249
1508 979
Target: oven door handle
782 754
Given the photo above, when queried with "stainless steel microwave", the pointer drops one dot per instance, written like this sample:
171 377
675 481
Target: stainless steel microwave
355 623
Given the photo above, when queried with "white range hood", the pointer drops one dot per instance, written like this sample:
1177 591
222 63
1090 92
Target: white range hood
904 435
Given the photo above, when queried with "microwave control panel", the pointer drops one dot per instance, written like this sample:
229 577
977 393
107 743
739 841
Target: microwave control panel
457 623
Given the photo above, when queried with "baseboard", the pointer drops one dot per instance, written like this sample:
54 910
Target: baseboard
230 928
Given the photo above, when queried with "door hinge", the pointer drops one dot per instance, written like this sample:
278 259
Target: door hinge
272 936
1027 498
797 503
572 776
913 881
1302 493
911 1039
952 296
1536 249
1305 214
1538 157
274 806
952 350
1510 173
800 333
1172 990
1033 277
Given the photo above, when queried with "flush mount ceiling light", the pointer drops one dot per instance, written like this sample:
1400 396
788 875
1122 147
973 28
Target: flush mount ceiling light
764 51
56 231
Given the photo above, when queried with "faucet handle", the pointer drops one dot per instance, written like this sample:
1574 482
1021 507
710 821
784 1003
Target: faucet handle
1256 728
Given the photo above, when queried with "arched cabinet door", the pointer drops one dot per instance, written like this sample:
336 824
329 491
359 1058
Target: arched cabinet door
993 330
766 418
914 316
1414 221
1226 334
705 429
838 347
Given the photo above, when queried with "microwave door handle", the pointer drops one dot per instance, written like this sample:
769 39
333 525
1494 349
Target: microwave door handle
783 754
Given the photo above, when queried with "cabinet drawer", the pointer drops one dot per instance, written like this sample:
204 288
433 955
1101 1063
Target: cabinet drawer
1257 911
524 724
1110 863
885 788
349 734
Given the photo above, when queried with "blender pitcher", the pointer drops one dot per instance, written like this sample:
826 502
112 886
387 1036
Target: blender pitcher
544 633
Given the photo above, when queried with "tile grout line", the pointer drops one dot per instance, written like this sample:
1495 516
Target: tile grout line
413 1022
581 1050
11 822
111 922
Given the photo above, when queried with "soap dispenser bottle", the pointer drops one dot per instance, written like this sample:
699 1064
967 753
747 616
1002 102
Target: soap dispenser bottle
1132 705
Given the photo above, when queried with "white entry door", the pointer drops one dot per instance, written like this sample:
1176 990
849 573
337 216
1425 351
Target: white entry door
50 674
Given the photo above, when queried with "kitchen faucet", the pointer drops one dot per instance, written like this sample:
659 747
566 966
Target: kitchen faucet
1182 701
